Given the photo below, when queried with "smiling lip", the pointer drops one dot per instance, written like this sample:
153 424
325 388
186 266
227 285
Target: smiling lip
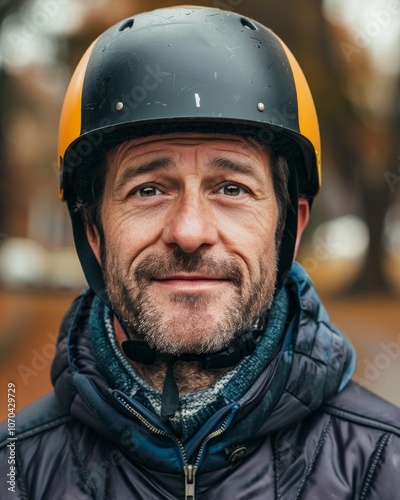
190 281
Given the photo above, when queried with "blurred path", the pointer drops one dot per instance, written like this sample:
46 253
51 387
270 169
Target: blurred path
29 324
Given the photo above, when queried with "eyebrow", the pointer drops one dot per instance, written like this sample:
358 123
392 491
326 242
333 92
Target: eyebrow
130 173
166 163
221 163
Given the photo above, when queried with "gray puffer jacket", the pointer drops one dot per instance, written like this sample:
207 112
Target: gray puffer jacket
324 437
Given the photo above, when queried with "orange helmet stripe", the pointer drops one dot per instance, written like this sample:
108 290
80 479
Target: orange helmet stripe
70 121
308 119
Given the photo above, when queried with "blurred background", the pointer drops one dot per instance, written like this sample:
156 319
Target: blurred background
350 53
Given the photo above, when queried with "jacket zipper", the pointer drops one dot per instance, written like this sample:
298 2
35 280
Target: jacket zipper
188 469
190 473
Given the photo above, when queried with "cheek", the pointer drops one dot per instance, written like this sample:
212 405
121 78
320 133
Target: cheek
128 235
251 236
254 227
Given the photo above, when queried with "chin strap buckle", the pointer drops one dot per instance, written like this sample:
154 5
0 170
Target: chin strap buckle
141 352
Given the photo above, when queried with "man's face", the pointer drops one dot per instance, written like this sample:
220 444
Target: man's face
189 254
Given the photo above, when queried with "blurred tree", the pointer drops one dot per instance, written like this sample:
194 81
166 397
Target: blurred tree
3 172
7 7
369 76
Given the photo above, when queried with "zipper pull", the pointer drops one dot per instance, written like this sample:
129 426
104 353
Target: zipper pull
190 472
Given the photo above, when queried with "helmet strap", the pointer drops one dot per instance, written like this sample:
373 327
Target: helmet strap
90 265
141 352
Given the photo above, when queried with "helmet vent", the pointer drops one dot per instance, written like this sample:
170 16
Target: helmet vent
248 24
127 25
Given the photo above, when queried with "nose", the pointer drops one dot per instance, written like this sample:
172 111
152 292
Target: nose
190 224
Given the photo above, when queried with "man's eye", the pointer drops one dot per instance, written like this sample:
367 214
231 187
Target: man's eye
146 191
232 190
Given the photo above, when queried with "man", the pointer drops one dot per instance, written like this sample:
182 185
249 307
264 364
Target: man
200 363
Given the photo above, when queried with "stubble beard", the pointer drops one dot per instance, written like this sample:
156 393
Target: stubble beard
196 331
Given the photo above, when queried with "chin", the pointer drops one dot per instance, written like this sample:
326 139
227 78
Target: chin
193 339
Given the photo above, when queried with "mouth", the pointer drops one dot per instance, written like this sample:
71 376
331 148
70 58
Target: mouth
190 281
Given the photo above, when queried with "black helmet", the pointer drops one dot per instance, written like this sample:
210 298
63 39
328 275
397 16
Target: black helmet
186 69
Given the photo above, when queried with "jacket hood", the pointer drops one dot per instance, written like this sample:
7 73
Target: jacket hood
316 362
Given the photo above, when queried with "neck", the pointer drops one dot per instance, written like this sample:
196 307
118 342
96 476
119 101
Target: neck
189 376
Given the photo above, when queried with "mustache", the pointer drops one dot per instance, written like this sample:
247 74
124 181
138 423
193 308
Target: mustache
156 266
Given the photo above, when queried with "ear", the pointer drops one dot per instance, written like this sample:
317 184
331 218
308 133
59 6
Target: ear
303 214
93 238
